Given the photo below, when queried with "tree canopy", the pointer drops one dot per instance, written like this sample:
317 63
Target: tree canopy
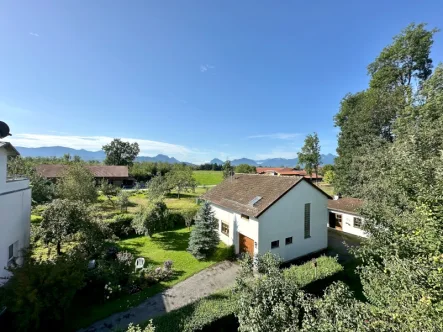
120 153
245 168
309 155
77 183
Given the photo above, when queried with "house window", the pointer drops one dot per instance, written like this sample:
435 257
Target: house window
275 244
225 228
244 216
357 222
338 219
288 240
307 220
11 252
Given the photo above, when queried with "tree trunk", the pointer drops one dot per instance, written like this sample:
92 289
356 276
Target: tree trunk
59 248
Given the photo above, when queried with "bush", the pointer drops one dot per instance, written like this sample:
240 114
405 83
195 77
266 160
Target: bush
304 274
230 253
121 225
137 328
151 275
36 219
40 291
176 219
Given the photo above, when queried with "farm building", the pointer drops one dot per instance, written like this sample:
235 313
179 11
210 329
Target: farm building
344 217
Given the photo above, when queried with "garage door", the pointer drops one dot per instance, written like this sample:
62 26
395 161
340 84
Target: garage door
246 244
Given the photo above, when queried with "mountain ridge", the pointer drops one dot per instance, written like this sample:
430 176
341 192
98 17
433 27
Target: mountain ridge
60 151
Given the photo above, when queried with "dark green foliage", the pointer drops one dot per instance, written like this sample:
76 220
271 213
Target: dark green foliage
61 221
42 190
145 171
245 168
121 225
228 169
366 119
309 155
152 219
40 291
204 236
120 153
77 183
177 220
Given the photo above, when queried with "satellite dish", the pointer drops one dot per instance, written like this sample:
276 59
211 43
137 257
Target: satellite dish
4 130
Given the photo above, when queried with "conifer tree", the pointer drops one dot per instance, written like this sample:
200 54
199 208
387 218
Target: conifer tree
204 237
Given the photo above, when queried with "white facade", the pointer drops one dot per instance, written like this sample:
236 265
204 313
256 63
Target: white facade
350 223
15 215
284 219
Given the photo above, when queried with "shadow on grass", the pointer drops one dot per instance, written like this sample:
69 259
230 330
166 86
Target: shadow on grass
172 240
190 195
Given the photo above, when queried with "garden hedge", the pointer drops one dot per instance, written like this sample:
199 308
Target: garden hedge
206 313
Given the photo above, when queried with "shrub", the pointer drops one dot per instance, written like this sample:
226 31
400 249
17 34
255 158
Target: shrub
306 273
151 275
152 219
40 291
230 253
176 219
121 225
36 219
137 328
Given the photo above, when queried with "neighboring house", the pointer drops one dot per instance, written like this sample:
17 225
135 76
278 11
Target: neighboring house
282 214
117 175
282 171
343 215
15 212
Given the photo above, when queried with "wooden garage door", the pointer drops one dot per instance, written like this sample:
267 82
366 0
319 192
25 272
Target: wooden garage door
246 244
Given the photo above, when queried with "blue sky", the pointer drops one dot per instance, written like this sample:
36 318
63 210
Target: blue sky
191 79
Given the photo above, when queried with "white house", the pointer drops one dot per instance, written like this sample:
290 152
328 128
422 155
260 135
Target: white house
343 215
284 215
15 212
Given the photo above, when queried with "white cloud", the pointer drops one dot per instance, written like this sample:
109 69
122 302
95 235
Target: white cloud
34 34
95 143
284 136
205 68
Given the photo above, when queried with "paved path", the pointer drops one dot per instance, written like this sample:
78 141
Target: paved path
200 285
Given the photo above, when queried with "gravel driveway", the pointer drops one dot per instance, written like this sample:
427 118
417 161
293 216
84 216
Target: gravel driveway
199 285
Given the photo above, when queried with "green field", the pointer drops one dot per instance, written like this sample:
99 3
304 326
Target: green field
208 178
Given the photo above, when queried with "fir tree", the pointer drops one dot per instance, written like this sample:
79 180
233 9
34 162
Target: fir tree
204 237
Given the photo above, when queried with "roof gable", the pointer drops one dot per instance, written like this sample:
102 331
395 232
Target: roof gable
9 148
236 193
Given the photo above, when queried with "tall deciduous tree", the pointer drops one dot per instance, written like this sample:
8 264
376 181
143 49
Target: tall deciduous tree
310 154
228 169
109 190
204 236
61 221
366 118
120 153
77 183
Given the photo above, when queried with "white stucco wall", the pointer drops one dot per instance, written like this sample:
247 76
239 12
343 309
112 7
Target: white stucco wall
286 218
237 225
348 223
15 215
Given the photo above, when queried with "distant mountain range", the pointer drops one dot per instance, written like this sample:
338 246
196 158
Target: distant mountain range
274 162
60 151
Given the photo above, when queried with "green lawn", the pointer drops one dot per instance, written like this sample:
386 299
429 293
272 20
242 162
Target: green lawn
161 247
208 178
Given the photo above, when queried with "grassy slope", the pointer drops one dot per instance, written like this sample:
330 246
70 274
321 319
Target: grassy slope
206 178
